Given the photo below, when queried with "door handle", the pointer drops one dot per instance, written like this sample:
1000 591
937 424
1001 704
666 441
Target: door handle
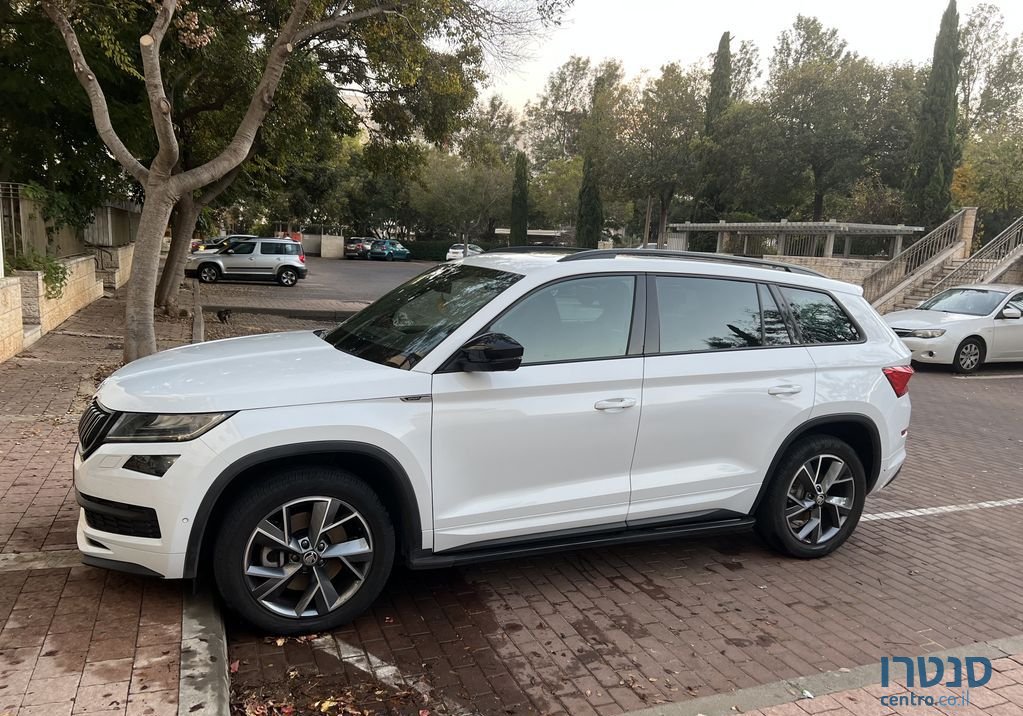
789 389
614 404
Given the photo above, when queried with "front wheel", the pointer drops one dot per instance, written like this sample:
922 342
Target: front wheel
815 498
208 273
287 277
969 356
307 551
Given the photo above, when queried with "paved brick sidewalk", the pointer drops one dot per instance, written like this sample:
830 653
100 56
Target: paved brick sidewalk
73 639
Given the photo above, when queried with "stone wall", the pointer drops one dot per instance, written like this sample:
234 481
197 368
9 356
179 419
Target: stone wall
849 270
114 264
332 247
1014 274
11 334
82 288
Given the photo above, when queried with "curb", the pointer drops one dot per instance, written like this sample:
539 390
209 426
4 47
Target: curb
204 687
198 324
829 682
311 314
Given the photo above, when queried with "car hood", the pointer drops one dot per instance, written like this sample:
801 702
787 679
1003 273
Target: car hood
271 370
926 319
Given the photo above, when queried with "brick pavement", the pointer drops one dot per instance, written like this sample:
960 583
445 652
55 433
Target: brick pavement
73 639
613 630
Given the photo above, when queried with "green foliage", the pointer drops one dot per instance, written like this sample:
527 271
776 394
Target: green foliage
60 209
55 273
589 225
720 94
935 149
520 202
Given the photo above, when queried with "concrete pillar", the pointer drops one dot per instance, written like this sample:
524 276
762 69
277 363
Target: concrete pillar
685 240
745 244
829 245
847 249
896 245
722 238
966 229
781 244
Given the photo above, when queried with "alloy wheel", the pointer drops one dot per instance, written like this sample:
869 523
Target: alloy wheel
288 278
969 356
308 557
208 274
820 499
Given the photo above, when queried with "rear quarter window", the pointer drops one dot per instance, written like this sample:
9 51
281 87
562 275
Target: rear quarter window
819 318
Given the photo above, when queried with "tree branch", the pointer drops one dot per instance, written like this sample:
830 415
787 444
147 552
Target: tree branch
159 106
98 101
335 21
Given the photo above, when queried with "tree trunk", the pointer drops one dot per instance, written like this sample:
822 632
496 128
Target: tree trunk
818 206
139 328
646 224
185 219
662 220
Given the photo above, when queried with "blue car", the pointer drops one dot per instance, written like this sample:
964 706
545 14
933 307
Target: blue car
389 250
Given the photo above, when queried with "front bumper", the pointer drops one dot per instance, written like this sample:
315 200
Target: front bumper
930 350
122 500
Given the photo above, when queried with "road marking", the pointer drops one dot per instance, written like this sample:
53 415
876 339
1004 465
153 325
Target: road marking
989 377
925 511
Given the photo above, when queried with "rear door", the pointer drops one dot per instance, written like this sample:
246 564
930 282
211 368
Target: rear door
269 258
723 386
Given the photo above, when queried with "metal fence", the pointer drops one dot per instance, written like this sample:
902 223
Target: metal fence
1000 252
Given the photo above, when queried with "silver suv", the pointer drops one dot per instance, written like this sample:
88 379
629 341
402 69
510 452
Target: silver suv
280 260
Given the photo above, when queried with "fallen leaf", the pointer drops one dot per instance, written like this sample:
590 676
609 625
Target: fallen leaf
424 712
326 705
234 666
279 641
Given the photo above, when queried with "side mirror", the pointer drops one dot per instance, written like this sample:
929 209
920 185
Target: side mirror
1010 312
489 352
229 251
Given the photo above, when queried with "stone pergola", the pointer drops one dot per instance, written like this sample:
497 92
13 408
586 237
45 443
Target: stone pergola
781 230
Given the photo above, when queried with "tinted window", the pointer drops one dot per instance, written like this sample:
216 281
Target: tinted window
819 318
701 314
584 318
1016 302
292 249
267 248
245 248
776 333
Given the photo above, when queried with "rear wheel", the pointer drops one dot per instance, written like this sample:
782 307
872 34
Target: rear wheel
815 498
209 273
304 552
287 277
969 356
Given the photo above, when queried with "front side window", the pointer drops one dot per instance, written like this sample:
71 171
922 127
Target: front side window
1016 302
819 318
578 319
706 314
401 328
246 247
971 301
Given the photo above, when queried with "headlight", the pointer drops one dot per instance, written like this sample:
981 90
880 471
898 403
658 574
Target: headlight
927 333
151 427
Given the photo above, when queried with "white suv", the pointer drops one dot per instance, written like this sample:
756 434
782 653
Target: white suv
507 404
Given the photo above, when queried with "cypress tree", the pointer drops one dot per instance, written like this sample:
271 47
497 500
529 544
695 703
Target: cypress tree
720 94
520 203
590 220
935 149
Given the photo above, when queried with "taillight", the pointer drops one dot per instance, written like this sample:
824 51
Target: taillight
899 376
301 257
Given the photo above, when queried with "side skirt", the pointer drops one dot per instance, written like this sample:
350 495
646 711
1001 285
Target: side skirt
426 559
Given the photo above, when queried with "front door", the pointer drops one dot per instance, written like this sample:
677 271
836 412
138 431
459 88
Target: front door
723 386
242 259
547 447
1008 333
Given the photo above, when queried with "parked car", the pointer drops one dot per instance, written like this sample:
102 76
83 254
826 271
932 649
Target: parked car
965 326
507 404
458 252
389 250
215 244
357 247
280 260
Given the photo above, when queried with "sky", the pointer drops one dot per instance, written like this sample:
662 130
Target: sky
646 34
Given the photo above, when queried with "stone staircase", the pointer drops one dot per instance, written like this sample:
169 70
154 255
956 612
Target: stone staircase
920 292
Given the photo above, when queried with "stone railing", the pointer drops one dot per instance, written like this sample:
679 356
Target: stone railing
82 288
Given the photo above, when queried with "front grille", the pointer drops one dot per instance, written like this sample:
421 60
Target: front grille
92 427
119 518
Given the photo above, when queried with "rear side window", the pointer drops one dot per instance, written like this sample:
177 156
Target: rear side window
819 318
706 314
268 248
292 249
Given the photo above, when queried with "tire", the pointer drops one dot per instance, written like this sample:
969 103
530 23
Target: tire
807 463
390 257
969 356
287 277
209 273
240 550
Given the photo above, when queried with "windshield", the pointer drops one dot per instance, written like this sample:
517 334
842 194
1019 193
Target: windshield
971 301
406 324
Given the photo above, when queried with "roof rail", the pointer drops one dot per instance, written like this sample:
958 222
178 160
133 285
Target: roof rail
535 250
689 256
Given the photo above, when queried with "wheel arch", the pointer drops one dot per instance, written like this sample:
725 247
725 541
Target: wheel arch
382 471
858 431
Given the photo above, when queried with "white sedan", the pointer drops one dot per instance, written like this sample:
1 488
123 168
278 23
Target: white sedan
965 326
458 251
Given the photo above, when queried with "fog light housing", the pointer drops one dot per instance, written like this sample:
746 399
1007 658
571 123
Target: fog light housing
155 465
